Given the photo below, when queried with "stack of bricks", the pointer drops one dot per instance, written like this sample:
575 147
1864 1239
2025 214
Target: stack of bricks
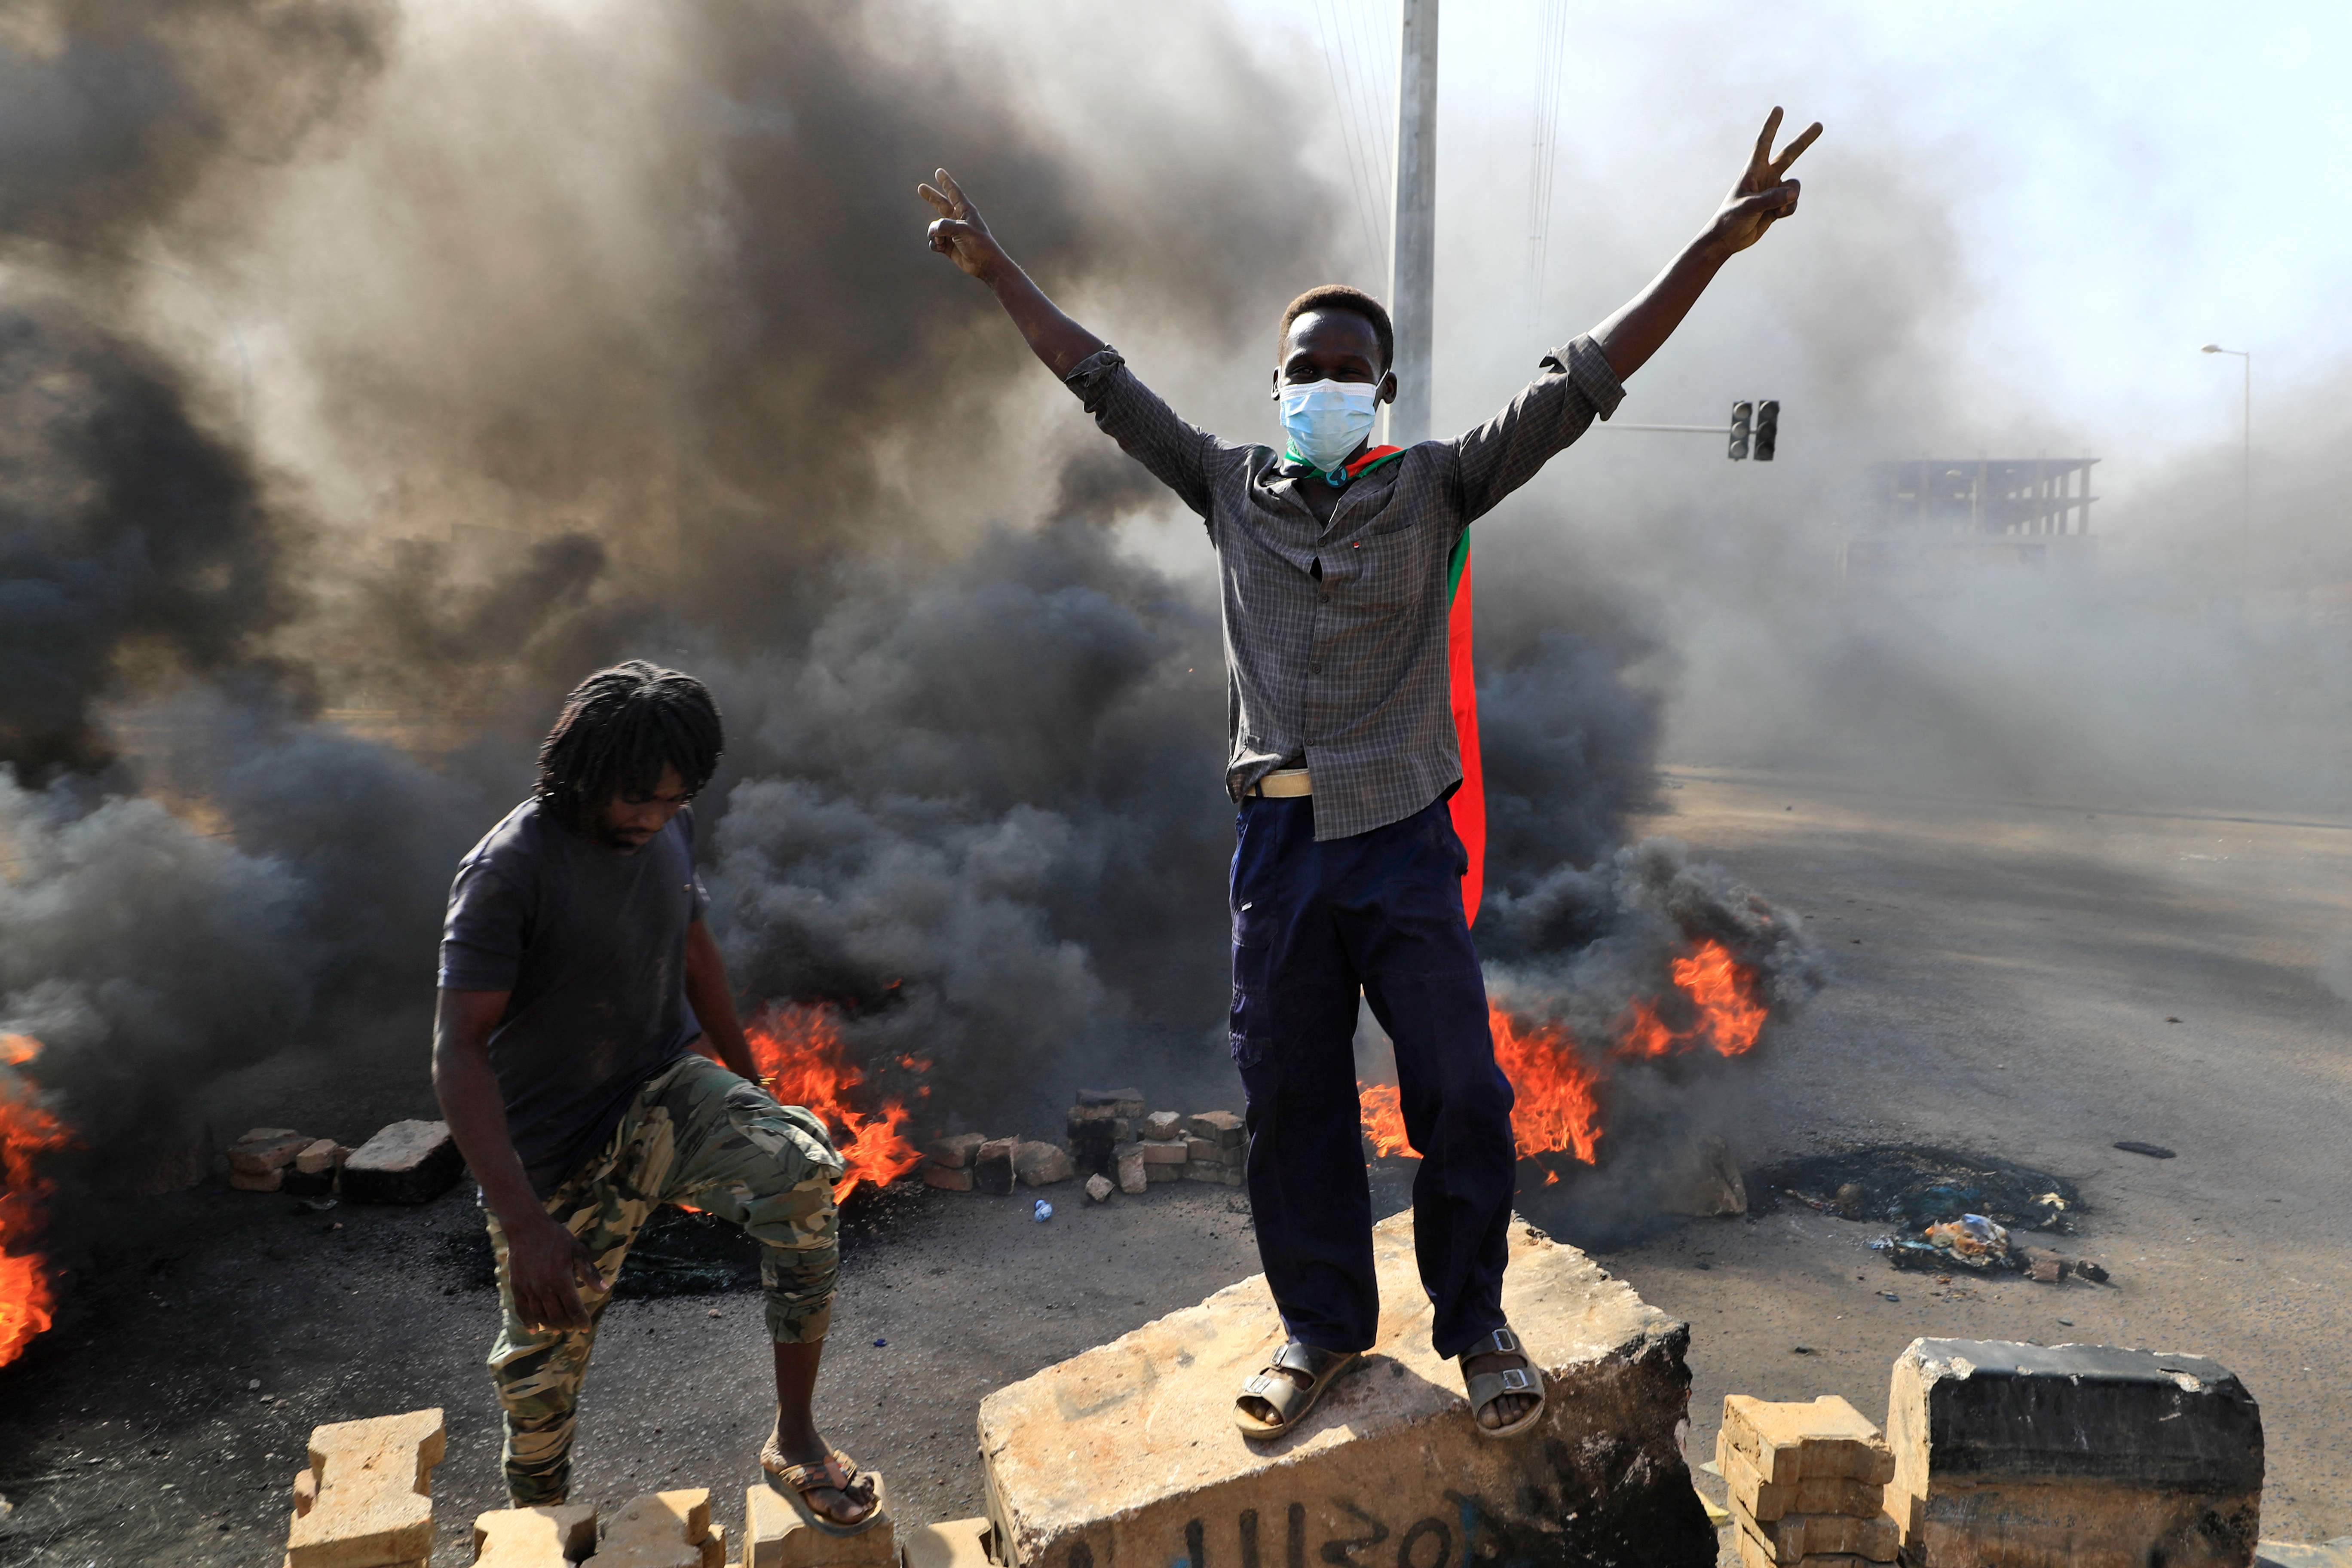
974 1162
365 1500
1215 1146
279 1158
1808 1484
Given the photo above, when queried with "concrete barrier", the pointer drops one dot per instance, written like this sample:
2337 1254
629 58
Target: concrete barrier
1126 1456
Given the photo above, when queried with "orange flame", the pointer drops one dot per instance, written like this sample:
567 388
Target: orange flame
1727 1014
27 1293
801 1059
1559 1106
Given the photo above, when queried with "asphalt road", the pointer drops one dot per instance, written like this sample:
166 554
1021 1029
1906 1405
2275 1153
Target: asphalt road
2004 977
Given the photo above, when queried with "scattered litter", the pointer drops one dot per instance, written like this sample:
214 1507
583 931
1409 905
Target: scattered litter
1972 1239
881 1345
2153 1151
2169 1019
1889 1296
2065 1322
319 1205
714 1311
254 1386
1798 1350
1043 1211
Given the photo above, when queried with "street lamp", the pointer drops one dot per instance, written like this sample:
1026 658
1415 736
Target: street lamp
2246 456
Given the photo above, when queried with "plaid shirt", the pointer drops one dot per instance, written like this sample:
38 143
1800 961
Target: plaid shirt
1335 637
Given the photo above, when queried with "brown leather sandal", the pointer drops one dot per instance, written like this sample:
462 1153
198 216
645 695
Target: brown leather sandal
1287 1397
796 1481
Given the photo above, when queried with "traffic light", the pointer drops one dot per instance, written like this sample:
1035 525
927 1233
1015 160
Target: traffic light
1768 429
1741 412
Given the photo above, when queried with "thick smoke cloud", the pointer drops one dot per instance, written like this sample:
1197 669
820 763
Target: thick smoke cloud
672 376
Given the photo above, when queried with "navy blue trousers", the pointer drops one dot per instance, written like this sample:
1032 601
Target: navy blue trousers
1316 926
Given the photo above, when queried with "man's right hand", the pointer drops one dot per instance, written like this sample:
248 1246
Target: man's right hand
960 234
546 1264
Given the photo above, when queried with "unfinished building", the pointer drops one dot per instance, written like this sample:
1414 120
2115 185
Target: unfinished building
1927 515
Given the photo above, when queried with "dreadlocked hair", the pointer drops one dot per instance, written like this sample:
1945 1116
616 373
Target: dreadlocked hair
618 729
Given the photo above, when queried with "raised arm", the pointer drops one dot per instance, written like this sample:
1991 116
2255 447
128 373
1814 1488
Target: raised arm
1760 197
962 235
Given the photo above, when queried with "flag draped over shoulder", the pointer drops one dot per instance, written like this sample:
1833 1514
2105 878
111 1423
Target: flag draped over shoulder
1469 803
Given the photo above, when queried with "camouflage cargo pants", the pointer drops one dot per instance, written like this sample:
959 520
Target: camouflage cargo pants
695 1133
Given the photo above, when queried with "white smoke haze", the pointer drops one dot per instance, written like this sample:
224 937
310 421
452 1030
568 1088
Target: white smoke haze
371 377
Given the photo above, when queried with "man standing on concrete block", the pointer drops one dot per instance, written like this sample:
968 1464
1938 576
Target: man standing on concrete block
1336 561
577 978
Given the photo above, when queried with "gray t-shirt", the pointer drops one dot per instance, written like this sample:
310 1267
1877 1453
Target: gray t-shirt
591 943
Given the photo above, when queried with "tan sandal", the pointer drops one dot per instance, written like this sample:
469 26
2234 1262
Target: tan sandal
1485 1387
796 1481
1288 1398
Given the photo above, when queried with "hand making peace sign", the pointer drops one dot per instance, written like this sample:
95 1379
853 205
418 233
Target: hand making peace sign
1761 196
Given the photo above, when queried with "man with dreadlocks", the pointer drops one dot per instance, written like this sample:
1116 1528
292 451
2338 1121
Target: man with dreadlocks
1342 567
577 978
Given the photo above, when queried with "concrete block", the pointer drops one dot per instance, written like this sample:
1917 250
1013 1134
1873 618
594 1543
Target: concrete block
1127 1103
2019 1455
267 1182
946 1180
1127 1161
1162 1125
1762 1501
1208 1152
1162 1153
1128 1453
1159 1175
778 1534
992 1167
407 1163
372 1493
1223 1127
265 1149
320 1157
1042 1165
1801 1537
1100 1187
955 1152
958 1543
662 1530
1225 1176
1826 1437
1754 1553
552 1537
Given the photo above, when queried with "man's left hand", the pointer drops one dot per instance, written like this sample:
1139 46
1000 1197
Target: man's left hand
1763 193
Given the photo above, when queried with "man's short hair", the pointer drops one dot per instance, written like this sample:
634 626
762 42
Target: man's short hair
618 730
1339 297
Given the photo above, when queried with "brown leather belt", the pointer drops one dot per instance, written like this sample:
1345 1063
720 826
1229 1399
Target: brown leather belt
1282 783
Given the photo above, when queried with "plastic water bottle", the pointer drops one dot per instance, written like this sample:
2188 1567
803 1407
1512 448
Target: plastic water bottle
1045 1211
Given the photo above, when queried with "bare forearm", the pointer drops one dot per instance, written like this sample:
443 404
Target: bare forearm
1053 336
713 1001
468 1088
1642 324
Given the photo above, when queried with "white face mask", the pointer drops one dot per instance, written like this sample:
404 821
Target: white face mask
1326 420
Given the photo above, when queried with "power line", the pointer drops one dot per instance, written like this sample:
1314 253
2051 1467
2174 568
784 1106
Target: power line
1359 175
1543 162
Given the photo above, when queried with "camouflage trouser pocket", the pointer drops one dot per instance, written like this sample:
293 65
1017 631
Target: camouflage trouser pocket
694 1134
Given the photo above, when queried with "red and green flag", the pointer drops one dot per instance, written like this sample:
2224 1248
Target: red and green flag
1469 803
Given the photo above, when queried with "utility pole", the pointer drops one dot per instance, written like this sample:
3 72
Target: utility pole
1412 255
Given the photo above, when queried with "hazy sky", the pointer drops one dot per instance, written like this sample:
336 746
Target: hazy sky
2123 183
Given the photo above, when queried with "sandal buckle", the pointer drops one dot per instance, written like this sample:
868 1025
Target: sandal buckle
1517 1380
1504 1341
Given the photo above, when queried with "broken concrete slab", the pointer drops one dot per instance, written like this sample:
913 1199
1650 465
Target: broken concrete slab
1163 1125
319 1156
2011 1455
406 1163
1784 1443
777 1533
948 1180
1160 1175
954 1152
992 1167
368 1502
1762 1501
958 1543
1208 1152
1099 1187
267 1182
549 1537
1162 1153
1705 1183
1040 1164
1128 1453
1126 1161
